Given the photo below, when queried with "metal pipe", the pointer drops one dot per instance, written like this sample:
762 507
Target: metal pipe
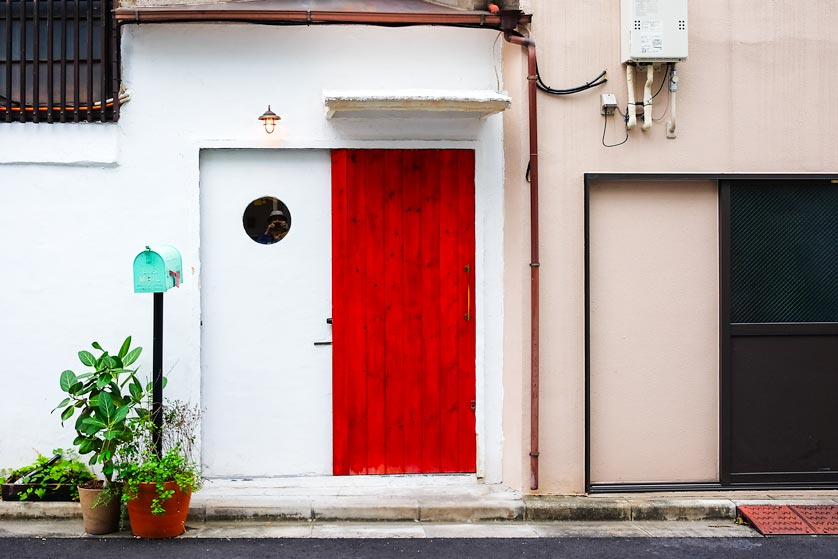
22 61
673 106
157 375
162 15
50 67
631 108
9 61
76 78
647 98
532 77
115 67
36 62
89 63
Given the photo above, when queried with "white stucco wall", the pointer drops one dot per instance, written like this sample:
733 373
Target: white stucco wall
80 201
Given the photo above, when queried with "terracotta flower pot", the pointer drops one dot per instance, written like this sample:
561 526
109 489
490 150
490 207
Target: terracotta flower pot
101 519
167 525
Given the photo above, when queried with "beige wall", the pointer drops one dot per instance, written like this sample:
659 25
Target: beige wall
755 96
654 335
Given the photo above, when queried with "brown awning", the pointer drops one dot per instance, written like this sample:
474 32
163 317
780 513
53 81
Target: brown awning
312 12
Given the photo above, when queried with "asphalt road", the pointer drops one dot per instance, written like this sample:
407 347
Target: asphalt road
786 547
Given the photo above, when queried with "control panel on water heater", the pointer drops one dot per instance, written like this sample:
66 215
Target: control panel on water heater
654 31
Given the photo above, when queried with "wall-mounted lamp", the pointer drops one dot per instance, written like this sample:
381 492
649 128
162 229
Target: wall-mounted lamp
269 119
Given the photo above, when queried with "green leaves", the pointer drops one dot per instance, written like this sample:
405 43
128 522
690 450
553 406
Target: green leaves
124 349
68 379
150 386
94 422
106 406
88 445
103 380
107 396
136 390
87 358
67 414
121 414
132 356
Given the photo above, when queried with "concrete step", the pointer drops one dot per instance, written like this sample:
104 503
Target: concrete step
448 502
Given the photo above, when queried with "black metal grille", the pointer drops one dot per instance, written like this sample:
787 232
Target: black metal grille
784 252
59 61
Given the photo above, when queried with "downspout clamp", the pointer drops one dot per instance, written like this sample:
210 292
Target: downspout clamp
509 20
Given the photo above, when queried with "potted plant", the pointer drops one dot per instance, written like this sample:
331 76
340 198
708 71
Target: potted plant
158 487
107 398
46 479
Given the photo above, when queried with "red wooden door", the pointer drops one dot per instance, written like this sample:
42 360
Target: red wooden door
403 311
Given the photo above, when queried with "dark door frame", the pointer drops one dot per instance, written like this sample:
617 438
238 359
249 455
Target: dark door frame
723 181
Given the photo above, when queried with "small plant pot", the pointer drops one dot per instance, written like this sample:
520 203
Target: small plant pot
12 492
170 524
101 519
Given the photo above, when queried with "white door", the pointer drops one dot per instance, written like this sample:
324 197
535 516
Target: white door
266 386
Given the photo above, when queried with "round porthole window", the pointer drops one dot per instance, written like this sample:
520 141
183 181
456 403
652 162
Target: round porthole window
266 220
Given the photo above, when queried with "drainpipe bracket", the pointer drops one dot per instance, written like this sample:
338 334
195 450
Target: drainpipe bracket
509 20
535 264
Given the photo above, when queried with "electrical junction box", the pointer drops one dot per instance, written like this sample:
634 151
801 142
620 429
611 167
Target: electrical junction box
607 104
654 31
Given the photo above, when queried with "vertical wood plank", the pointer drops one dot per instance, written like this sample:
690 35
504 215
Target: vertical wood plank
414 362
375 293
394 379
466 378
451 313
430 250
356 306
340 428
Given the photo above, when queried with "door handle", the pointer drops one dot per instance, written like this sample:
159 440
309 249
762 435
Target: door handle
468 293
328 321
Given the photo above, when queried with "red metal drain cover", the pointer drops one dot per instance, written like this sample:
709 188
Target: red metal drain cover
775 519
823 518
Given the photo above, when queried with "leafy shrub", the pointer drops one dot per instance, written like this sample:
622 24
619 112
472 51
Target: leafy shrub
67 471
105 398
139 463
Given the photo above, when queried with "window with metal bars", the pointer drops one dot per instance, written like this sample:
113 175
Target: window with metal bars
59 61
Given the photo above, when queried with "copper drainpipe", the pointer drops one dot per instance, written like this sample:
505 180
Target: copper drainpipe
176 14
509 21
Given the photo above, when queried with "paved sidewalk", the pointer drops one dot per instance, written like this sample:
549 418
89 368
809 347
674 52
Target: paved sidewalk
255 529
430 500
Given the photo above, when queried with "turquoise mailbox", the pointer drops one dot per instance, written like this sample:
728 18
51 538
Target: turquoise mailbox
157 269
